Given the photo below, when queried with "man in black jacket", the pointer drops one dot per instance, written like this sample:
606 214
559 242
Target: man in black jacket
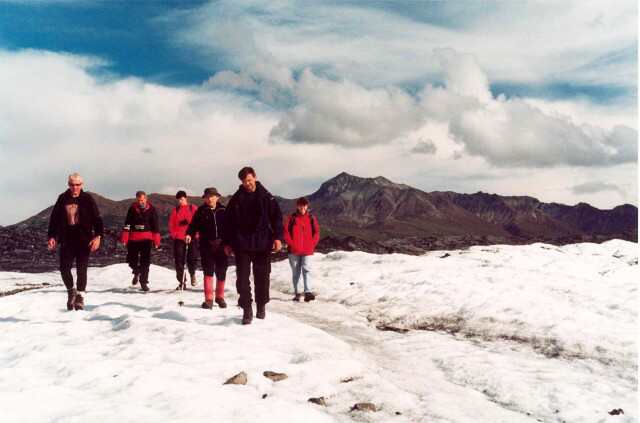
253 228
77 226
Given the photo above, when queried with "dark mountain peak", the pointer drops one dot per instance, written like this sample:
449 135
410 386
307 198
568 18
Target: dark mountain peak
344 182
626 207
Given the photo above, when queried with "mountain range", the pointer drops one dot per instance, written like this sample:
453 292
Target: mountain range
368 214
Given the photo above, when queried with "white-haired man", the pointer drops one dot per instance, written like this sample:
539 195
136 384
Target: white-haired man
77 226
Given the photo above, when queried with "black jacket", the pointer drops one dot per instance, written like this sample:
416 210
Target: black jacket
253 220
209 223
89 219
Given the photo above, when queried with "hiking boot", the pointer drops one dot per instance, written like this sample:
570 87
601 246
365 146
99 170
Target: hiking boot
181 286
309 296
297 297
221 302
79 302
208 304
134 281
71 298
261 312
247 315
144 286
194 281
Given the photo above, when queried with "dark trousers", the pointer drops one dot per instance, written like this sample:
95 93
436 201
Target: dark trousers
179 248
214 260
78 250
139 258
261 273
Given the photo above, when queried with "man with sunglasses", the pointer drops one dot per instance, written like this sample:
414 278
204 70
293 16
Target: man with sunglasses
77 226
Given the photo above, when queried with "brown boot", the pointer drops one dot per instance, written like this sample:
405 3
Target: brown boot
247 315
71 298
79 302
208 304
194 281
261 312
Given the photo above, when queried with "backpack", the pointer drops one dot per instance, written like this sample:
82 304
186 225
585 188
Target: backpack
292 222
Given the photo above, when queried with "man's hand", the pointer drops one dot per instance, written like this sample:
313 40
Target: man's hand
228 250
51 244
187 239
277 245
94 244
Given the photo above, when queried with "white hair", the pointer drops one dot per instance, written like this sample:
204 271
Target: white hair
75 176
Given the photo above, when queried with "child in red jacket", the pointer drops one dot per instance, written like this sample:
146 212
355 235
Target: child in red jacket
301 233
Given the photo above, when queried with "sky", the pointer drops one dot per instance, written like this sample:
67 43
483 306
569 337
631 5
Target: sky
514 98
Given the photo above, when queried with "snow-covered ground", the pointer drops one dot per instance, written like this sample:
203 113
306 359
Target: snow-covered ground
495 334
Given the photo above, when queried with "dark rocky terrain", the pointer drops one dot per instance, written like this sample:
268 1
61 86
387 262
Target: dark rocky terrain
365 214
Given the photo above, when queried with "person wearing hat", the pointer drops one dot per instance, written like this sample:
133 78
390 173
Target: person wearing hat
139 233
208 222
253 229
179 220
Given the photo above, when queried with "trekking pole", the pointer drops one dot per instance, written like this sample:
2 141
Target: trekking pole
184 274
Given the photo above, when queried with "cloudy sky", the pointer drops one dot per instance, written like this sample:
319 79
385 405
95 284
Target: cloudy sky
517 98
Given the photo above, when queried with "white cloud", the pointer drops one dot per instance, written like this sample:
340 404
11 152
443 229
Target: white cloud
344 113
463 76
513 133
512 41
505 132
596 187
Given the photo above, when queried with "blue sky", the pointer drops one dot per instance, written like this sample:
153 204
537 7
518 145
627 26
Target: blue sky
460 96
130 36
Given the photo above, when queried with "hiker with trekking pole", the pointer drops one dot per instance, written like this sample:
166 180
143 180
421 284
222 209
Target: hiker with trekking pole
179 221
208 222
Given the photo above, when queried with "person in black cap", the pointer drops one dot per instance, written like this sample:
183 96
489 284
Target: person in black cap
76 225
179 221
253 228
208 222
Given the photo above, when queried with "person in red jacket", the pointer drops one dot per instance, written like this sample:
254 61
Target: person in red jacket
301 233
179 221
140 231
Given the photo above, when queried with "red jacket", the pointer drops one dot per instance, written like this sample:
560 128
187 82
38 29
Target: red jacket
179 220
300 237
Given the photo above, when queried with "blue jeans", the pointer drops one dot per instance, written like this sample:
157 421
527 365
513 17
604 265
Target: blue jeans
300 264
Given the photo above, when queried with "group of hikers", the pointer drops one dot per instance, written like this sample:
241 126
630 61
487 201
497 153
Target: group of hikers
249 228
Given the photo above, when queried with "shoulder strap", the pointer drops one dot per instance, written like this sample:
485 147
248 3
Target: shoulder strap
313 227
292 223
